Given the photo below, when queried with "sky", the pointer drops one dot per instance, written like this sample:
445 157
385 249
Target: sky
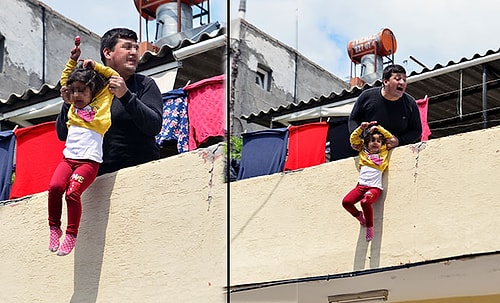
431 31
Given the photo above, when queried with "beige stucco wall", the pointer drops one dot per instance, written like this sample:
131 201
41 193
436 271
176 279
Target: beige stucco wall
287 226
148 234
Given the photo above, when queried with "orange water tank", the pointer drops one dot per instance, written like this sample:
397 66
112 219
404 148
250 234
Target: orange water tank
147 8
382 43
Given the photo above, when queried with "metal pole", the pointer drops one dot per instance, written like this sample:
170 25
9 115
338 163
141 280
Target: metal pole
460 99
485 98
179 16
140 23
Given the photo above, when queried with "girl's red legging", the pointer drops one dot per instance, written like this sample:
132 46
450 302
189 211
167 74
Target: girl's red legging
73 177
367 196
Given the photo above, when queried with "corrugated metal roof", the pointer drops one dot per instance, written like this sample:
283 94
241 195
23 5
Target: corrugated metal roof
202 66
29 96
455 94
460 93
166 50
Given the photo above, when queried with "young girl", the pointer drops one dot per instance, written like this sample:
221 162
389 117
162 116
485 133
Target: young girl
86 89
370 140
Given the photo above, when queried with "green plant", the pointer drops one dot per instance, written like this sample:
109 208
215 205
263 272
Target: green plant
235 146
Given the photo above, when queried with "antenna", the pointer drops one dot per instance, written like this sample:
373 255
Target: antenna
242 9
297 25
418 62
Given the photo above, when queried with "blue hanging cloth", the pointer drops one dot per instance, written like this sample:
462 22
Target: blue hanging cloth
175 120
7 143
263 152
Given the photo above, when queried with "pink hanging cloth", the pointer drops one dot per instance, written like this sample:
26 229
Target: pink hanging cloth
205 110
423 108
306 145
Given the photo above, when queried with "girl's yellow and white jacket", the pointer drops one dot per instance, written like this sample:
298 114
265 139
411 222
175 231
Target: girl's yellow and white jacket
86 128
100 104
371 165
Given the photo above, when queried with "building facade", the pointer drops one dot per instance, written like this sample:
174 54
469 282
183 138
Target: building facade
265 73
34 46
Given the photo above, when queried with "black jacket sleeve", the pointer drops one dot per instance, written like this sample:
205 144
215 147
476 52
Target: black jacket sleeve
62 118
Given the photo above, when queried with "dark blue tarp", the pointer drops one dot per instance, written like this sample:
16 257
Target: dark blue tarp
338 135
7 142
263 152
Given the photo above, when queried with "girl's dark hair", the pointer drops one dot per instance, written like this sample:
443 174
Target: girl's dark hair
90 77
368 135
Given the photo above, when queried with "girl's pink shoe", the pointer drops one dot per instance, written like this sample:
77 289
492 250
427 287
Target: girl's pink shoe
369 234
67 245
55 235
361 219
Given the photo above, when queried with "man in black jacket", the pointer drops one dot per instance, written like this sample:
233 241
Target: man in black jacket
136 112
391 107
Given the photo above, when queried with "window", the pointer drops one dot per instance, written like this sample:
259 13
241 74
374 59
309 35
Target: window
263 77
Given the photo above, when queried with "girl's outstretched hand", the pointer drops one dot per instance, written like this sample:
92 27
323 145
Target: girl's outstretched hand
75 53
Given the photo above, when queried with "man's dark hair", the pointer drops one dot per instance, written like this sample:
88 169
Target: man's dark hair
392 69
90 77
110 38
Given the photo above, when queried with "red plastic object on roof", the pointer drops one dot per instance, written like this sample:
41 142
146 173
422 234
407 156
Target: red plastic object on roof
147 8
382 43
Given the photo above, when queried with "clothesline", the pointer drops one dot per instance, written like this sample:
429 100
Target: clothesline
285 149
460 97
466 115
463 125
462 89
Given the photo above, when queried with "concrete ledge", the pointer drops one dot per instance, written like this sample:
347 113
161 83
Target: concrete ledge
147 234
289 226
